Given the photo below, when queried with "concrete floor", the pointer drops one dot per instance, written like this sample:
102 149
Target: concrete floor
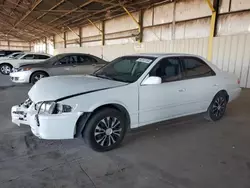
185 153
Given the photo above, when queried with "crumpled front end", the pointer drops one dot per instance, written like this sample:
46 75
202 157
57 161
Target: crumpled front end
45 125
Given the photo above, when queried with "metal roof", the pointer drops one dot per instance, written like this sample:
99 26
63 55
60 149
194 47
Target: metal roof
34 19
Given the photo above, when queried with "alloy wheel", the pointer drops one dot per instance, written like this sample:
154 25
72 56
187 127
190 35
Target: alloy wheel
5 69
108 131
39 77
219 107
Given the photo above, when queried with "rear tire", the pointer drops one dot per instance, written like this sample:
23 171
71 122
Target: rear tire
5 68
217 108
37 76
105 130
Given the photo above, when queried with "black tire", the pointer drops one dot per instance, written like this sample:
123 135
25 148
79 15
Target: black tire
5 68
217 108
99 134
37 76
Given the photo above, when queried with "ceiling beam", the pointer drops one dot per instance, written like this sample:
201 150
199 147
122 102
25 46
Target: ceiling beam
27 13
17 4
13 35
64 11
71 11
52 8
82 16
6 17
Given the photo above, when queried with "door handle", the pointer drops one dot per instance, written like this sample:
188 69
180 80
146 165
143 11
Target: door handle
73 65
182 90
93 65
216 85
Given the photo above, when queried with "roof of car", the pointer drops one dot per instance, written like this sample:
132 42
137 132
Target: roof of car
73 53
162 54
36 53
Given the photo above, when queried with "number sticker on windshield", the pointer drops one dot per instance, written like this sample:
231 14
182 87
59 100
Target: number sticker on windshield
144 60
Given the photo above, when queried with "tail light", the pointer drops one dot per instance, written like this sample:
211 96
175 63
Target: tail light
238 81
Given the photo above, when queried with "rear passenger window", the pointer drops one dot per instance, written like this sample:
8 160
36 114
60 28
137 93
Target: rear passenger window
195 68
29 56
67 60
86 60
41 57
168 69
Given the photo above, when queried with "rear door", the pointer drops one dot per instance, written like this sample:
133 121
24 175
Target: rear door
65 66
199 82
87 64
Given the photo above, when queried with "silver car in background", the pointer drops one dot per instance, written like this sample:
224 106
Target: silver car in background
61 64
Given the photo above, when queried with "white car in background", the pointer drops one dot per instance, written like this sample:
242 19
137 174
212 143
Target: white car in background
11 56
6 65
130 92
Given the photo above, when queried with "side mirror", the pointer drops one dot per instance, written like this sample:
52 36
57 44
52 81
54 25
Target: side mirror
152 80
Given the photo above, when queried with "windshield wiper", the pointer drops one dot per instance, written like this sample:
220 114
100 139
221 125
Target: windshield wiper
103 76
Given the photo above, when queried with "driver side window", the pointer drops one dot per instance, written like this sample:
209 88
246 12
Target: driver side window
168 69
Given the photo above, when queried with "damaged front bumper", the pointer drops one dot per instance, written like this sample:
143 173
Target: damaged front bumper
45 126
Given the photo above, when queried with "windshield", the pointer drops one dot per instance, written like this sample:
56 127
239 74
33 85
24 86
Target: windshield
125 69
18 56
15 54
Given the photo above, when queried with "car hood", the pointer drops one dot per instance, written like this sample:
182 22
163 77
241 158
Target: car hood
58 87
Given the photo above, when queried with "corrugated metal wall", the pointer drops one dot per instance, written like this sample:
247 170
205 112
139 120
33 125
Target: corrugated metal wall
230 53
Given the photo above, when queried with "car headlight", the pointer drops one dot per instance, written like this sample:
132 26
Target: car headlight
23 69
52 108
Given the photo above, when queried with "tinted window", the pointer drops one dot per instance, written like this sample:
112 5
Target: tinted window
41 56
29 56
86 59
125 69
18 56
67 60
169 69
194 68
15 55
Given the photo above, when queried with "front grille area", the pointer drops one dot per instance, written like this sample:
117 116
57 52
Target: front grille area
14 69
14 78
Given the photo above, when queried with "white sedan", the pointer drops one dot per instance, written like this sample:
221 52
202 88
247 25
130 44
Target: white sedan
130 92
6 65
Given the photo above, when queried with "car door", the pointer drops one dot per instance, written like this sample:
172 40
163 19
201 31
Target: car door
200 84
87 64
64 66
162 101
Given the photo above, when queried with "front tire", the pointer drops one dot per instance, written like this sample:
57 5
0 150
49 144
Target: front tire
5 68
37 76
105 130
217 107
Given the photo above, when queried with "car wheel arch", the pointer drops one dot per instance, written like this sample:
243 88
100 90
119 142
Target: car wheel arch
86 116
6 63
37 72
224 92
